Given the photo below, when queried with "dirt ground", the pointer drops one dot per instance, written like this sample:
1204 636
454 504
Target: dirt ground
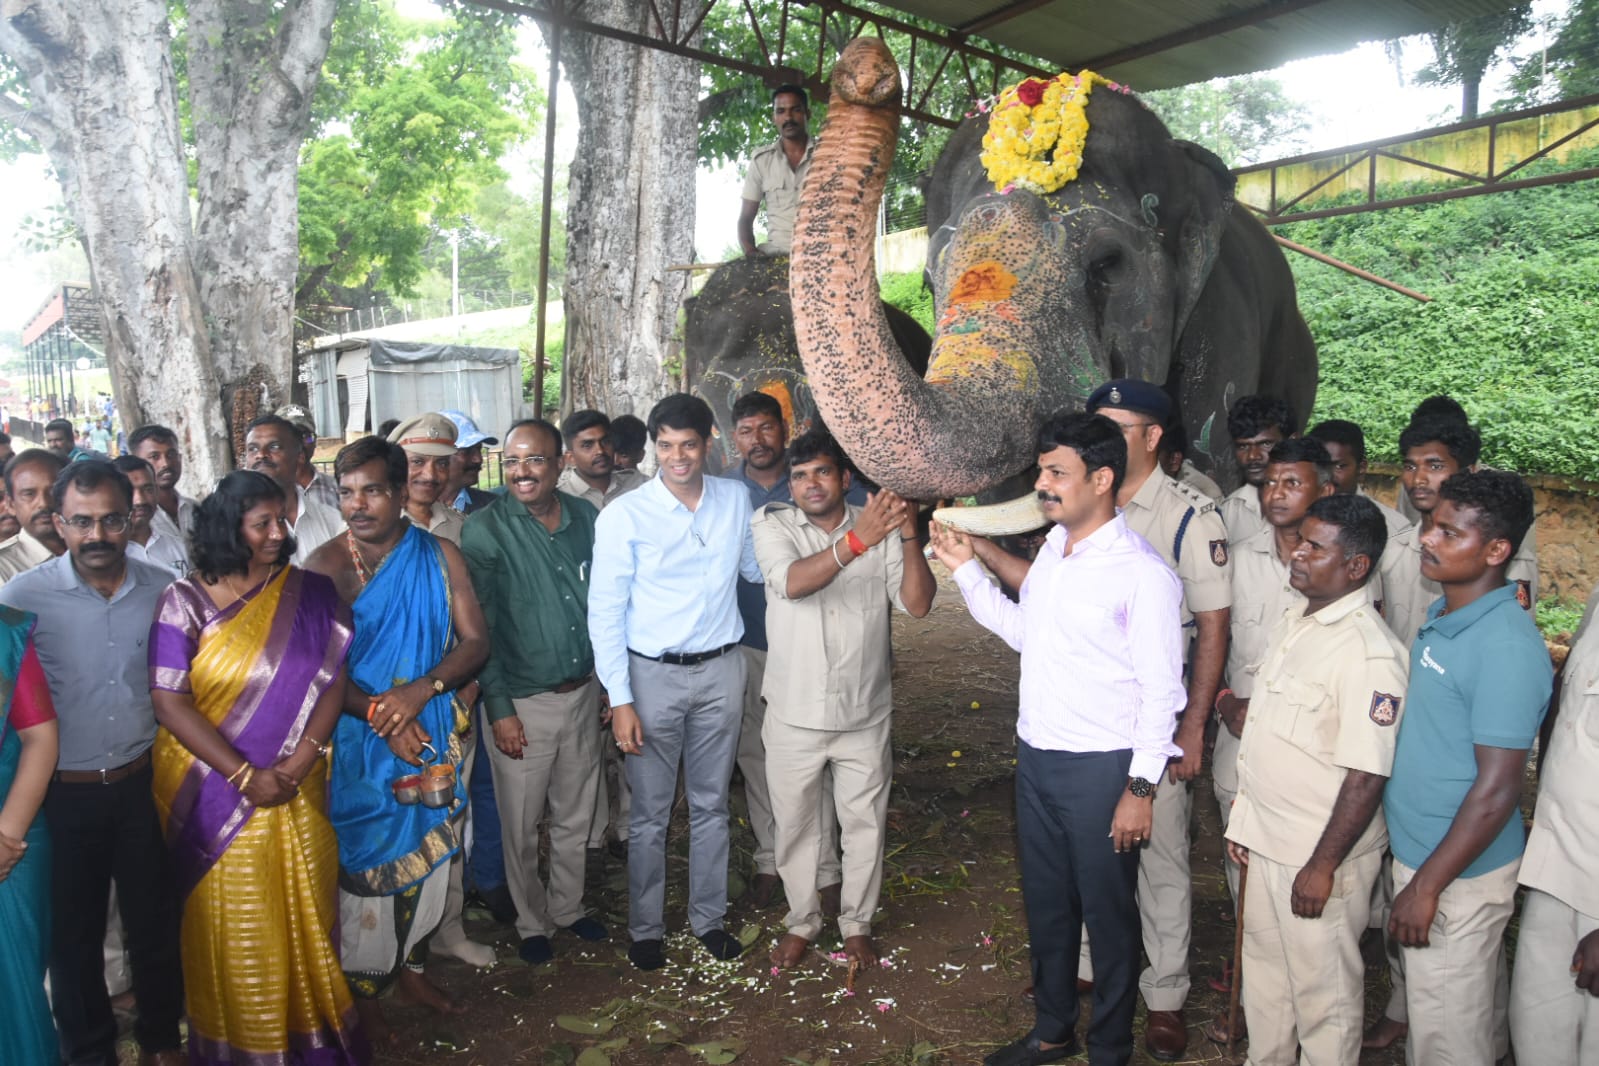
950 926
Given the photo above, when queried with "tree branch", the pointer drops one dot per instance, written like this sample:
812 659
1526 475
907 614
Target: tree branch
304 31
28 120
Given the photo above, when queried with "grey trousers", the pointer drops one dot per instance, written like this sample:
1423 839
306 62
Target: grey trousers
690 717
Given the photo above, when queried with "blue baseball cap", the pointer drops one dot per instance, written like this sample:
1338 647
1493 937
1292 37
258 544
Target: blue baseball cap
466 432
1131 394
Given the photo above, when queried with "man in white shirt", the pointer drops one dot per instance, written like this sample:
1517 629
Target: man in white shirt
146 543
158 446
1097 625
272 445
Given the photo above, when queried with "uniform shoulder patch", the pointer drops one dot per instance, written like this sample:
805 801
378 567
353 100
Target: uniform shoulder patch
1218 552
1384 708
1524 594
1201 503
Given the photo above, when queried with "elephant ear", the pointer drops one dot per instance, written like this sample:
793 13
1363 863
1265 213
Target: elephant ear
1199 238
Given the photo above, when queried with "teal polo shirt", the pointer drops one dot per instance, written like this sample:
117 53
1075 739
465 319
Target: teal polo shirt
1479 675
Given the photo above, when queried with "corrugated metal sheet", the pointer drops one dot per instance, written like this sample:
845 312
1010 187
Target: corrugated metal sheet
1155 44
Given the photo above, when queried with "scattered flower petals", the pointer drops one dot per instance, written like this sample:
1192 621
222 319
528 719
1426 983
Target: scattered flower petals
955 754
976 706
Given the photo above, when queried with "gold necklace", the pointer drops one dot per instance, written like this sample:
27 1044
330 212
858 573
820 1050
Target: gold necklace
237 595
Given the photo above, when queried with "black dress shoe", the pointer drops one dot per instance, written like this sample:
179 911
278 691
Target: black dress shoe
1029 1052
587 928
719 944
499 904
646 954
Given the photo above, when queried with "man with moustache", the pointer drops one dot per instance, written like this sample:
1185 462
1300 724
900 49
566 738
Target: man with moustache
530 553
591 472
1097 626
30 493
419 640
1255 423
776 173
95 606
145 543
1480 681
1317 749
462 492
61 438
828 692
663 616
1346 444
429 445
158 446
272 446
318 485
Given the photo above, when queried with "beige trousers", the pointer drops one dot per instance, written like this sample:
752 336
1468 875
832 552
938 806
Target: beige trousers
1304 981
1224 783
450 930
559 771
860 763
1451 985
752 764
1552 1021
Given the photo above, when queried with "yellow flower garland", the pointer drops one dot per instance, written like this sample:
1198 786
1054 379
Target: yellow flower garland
1039 147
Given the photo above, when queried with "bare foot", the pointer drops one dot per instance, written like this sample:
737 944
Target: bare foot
1384 1033
861 949
373 1023
789 950
414 988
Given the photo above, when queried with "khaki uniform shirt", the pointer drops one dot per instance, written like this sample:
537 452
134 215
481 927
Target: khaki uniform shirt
1191 475
1327 700
572 483
1261 596
1396 522
1240 510
829 663
19 553
772 180
1156 513
1562 856
445 522
1407 595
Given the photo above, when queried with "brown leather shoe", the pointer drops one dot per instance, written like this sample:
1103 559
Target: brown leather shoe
832 901
1166 1035
789 951
764 889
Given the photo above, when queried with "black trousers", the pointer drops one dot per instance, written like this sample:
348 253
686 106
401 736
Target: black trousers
1072 877
99 834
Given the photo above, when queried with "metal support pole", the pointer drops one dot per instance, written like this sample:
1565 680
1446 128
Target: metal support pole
1364 275
544 219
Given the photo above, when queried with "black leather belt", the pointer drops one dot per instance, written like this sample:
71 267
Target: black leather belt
572 685
694 658
103 777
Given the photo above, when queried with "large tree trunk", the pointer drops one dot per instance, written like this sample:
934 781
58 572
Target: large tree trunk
189 319
630 213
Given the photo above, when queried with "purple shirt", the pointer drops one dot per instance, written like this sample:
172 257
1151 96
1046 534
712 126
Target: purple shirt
1100 635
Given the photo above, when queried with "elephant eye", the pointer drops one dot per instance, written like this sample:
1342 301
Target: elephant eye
1107 266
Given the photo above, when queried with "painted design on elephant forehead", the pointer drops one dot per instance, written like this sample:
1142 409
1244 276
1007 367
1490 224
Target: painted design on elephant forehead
987 282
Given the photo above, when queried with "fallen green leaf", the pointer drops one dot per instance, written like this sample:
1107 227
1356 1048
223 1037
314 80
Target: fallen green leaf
593 1056
749 934
574 1023
560 1055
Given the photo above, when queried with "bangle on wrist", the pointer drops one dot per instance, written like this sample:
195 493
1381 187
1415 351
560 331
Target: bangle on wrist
234 776
244 783
836 559
322 748
856 544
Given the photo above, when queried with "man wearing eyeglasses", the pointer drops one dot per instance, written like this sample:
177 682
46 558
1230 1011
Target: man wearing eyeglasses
95 606
530 552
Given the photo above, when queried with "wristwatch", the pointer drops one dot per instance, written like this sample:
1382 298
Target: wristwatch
438 686
1141 787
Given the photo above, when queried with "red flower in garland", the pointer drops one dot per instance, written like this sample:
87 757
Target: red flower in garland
1031 92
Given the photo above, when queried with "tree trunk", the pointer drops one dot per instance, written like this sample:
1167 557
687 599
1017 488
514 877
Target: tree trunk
630 212
1469 90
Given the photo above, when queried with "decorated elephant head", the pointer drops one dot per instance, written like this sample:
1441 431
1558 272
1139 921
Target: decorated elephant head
1050 275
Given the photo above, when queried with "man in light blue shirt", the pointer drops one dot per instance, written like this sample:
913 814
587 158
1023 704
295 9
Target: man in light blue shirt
663 619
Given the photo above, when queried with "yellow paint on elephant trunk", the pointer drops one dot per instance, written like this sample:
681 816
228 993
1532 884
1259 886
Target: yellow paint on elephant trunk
960 356
987 282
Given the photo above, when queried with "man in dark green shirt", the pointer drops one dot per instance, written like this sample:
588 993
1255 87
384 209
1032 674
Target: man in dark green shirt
529 553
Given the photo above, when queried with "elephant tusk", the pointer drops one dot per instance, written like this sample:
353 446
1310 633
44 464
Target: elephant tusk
1021 515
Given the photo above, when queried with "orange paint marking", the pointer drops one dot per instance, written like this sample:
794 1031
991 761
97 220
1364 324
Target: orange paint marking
987 282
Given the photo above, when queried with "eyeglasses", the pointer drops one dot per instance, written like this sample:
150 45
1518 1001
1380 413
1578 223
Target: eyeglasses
111 523
531 461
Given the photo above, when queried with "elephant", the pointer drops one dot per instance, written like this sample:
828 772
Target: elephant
738 337
1140 267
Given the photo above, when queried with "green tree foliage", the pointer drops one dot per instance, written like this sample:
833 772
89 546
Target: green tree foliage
1510 332
1463 51
1567 68
1243 120
415 124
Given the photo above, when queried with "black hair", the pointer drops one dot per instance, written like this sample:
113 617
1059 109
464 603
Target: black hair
805 101
1251 416
628 434
62 424
756 403
153 432
1173 438
89 475
1502 503
216 545
581 421
1361 528
1304 450
681 411
358 453
1341 431
129 463
276 422
5 438
387 426
1439 406
816 444
1460 439
1097 441
30 456
524 423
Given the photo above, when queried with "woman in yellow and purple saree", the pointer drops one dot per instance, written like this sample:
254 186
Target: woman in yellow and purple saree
246 666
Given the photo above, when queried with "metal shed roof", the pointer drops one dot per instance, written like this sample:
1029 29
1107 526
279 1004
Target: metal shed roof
1156 44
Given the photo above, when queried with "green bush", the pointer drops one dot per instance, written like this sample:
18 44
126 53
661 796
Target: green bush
906 292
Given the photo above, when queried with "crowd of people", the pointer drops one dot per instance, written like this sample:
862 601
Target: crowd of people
245 734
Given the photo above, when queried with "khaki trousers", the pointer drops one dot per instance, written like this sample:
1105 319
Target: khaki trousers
1165 902
1552 1021
860 763
752 764
1450 985
559 771
1304 981
1224 783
